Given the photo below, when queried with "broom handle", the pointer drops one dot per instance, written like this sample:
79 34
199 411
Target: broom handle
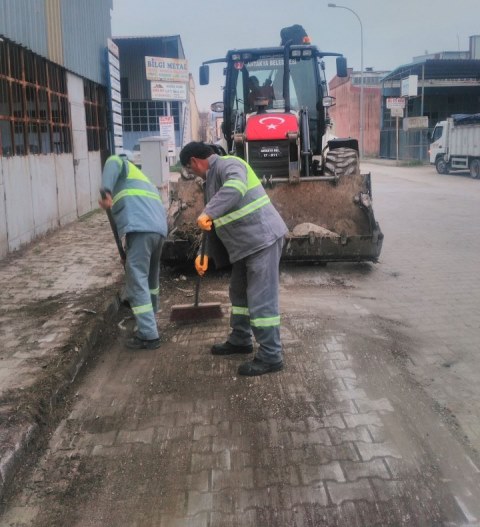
203 242
121 250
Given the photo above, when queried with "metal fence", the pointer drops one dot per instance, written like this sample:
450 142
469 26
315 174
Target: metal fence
412 144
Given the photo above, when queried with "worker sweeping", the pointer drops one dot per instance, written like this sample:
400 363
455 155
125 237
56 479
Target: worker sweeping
252 232
139 216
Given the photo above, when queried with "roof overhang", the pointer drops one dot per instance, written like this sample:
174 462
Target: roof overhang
432 69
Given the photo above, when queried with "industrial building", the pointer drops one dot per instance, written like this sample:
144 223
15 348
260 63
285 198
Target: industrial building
156 83
53 113
70 96
430 88
446 83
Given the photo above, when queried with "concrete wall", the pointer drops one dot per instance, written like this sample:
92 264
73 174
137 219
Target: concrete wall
38 194
79 143
3 215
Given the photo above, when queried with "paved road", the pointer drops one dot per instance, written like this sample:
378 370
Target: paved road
429 280
369 424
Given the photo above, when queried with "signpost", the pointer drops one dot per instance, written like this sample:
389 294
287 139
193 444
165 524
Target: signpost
396 106
168 91
395 102
169 80
167 132
410 123
115 96
409 86
166 69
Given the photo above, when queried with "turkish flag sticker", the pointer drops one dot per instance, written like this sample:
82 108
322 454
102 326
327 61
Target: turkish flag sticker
270 126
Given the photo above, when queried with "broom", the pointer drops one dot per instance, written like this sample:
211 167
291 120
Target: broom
191 313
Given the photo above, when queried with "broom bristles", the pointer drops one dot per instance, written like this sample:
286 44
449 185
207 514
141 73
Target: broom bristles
191 313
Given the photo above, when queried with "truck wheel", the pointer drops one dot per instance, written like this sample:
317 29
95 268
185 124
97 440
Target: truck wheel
341 162
475 168
442 166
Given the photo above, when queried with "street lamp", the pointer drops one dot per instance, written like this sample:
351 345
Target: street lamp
361 74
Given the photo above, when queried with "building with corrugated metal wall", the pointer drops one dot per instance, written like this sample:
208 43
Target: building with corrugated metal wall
141 107
53 113
446 83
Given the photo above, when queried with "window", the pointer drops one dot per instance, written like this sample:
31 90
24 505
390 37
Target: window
142 116
437 133
95 101
34 111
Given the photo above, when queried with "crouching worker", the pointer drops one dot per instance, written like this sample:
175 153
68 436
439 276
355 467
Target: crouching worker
139 216
253 233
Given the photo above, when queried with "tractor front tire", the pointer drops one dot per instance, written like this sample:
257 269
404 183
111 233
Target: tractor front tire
342 162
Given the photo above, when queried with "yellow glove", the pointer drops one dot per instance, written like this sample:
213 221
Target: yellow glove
201 267
204 222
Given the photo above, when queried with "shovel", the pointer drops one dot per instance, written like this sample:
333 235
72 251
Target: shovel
197 312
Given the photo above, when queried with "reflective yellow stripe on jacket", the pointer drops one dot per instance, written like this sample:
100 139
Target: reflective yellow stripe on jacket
135 192
135 174
252 182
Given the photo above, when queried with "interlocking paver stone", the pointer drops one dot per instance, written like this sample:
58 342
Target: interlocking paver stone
175 438
358 490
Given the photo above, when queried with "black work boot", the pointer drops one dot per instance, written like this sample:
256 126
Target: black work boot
258 367
229 349
136 343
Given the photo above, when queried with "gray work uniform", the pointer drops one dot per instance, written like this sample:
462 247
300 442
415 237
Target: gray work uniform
140 217
253 232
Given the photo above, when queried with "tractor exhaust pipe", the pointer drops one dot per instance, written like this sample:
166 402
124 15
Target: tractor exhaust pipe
286 75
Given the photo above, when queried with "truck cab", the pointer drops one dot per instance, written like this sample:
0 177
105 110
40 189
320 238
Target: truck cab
438 147
455 144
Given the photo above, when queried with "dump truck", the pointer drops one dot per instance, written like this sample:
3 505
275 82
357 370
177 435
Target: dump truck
275 116
455 144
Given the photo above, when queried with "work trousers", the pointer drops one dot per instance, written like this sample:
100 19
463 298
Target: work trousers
254 286
142 269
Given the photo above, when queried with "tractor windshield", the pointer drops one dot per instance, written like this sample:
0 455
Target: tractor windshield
260 81
263 79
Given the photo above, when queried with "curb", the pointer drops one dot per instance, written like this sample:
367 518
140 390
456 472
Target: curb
18 439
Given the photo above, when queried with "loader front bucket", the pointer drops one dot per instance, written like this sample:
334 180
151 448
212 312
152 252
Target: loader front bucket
327 221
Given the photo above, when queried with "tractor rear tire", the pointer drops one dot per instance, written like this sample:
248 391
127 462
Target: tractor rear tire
342 162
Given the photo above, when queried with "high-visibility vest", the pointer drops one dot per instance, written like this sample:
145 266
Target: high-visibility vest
250 202
135 175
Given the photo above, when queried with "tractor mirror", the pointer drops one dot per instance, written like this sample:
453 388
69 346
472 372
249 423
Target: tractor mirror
328 101
342 67
204 75
217 107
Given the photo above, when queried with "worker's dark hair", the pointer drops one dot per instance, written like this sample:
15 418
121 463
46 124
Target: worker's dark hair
195 149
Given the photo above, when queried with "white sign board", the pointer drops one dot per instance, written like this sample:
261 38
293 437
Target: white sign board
395 102
167 132
115 94
409 86
168 91
165 69
396 112
415 122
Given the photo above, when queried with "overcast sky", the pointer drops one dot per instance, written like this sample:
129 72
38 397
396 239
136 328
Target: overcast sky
394 31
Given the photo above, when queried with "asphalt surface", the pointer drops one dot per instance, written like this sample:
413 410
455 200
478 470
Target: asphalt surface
374 420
